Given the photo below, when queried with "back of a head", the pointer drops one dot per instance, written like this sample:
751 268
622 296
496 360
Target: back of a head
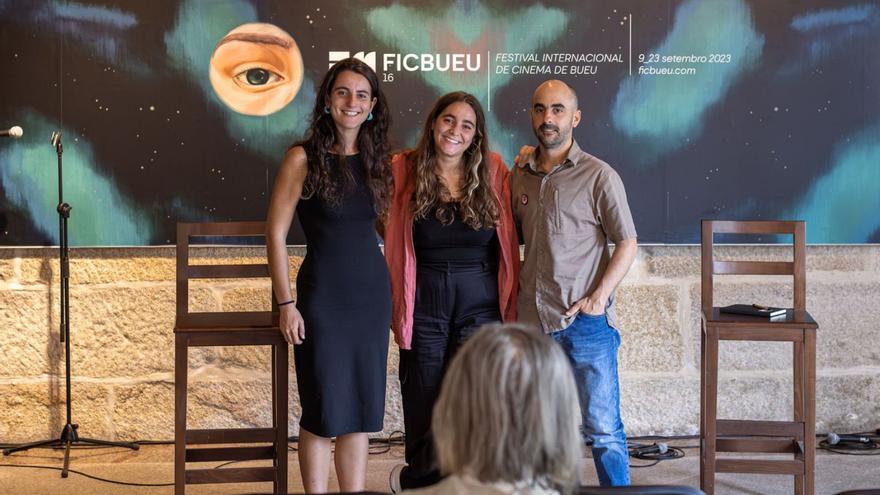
507 411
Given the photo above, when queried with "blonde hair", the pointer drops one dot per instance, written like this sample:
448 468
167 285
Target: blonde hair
507 411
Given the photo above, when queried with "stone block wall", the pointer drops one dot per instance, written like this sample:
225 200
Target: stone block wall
122 315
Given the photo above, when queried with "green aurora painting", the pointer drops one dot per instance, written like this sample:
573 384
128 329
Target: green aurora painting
735 109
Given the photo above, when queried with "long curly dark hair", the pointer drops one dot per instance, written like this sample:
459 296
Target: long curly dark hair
331 183
478 206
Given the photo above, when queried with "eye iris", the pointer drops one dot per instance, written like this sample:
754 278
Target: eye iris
257 77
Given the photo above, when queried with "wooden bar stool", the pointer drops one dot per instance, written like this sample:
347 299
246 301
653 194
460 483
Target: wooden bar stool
797 437
226 329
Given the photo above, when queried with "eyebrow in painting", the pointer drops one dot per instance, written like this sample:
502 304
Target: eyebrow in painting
263 39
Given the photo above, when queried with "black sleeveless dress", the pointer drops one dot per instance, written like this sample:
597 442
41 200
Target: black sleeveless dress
344 295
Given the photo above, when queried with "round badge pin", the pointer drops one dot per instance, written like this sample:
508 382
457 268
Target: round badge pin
524 199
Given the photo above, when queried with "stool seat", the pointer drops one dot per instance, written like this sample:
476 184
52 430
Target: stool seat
794 318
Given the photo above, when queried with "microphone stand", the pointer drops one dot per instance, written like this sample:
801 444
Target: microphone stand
69 436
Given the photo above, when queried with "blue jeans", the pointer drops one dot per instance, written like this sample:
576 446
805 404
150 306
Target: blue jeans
591 346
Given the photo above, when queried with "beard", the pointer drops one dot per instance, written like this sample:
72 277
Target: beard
552 141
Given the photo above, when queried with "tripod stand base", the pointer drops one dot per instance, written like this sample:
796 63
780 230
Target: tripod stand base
69 438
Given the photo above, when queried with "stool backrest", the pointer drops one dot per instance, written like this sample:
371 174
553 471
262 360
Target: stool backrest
187 272
796 268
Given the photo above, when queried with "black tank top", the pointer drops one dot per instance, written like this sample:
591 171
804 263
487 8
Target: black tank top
455 242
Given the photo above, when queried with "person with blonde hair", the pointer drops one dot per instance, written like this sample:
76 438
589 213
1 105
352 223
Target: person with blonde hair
506 421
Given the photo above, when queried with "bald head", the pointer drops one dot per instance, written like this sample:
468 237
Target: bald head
559 90
554 114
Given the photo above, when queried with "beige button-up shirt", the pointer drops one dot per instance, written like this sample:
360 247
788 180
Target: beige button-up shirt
566 218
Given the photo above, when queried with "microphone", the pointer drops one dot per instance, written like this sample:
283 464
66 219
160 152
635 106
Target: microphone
56 138
834 439
13 132
656 448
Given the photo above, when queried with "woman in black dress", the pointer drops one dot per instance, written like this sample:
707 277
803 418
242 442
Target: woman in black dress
338 181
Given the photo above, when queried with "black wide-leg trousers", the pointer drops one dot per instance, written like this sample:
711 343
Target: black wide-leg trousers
452 301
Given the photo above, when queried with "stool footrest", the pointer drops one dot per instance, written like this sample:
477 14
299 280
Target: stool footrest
230 454
230 475
758 445
233 337
759 466
232 435
758 334
736 427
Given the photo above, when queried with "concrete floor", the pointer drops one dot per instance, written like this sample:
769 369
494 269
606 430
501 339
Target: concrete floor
153 464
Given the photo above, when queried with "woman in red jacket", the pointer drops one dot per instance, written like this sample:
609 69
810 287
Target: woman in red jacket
453 255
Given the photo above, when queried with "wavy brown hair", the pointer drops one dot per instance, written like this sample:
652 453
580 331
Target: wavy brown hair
478 206
330 183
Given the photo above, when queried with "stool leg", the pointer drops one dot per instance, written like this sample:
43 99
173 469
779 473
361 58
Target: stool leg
181 365
273 360
710 356
277 445
798 393
281 370
810 410
702 404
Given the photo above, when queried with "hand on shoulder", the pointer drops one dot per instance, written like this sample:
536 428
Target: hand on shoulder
524 154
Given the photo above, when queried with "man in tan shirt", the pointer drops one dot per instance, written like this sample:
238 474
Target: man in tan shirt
568 205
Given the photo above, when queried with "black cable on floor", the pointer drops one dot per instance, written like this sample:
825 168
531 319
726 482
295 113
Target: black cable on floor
96 478
384 445
846 447
654 453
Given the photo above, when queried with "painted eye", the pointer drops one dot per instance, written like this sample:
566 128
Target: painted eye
258 76
256 69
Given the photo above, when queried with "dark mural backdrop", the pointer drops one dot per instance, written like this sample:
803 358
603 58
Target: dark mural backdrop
708 108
